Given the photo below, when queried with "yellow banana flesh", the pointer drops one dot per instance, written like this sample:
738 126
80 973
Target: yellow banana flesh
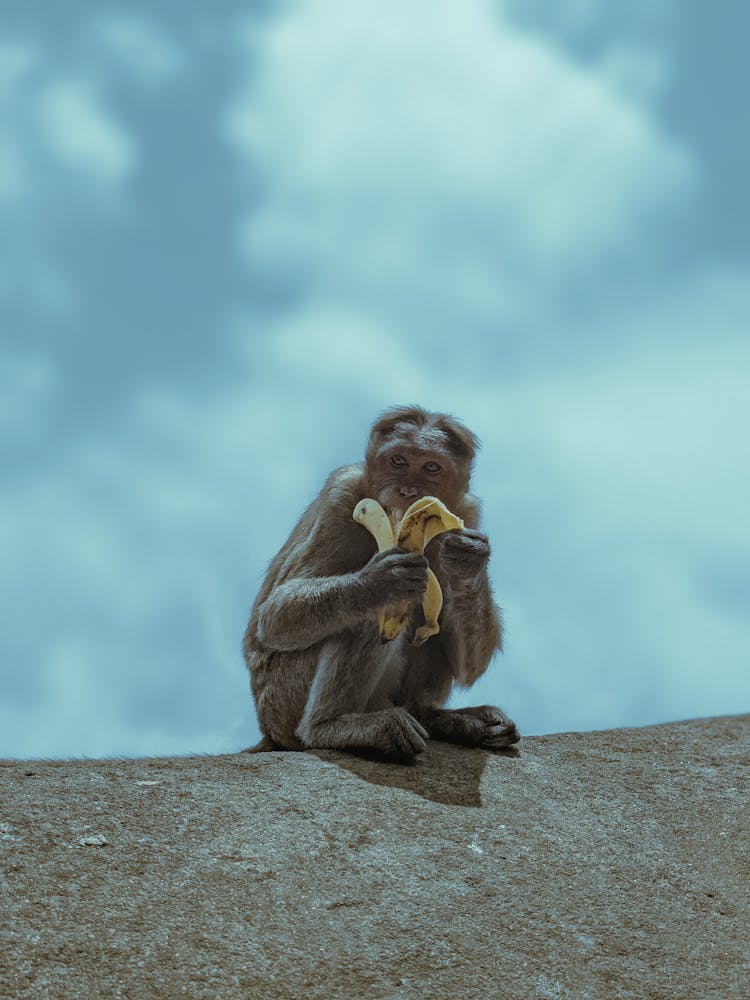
371 515
424 519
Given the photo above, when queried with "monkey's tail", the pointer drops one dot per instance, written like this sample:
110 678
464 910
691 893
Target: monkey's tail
265 744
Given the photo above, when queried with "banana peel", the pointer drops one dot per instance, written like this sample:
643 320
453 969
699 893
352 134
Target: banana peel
421 522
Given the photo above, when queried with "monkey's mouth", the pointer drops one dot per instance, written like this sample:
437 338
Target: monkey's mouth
395 514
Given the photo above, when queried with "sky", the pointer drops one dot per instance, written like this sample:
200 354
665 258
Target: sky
232 234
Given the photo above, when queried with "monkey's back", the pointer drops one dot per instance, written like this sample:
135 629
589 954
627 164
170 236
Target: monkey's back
324 542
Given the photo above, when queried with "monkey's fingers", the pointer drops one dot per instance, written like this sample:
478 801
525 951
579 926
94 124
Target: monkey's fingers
390 559
406 559
465 543
414 571
408 577
406 736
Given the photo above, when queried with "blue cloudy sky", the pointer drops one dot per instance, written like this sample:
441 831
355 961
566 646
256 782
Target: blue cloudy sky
231 234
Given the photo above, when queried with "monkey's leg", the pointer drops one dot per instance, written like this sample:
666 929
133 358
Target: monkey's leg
484 726
426 685
350 669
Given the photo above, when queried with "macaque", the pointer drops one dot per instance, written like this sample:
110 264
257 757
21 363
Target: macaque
322 677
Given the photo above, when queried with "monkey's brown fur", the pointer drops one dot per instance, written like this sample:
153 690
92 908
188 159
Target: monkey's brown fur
321 675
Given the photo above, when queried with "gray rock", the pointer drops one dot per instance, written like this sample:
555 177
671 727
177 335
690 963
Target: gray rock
609 864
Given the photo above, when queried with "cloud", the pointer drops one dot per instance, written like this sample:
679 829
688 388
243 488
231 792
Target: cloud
442 204
143 48
639 72
82 134
54 119
458 164
27 384
601 485
585 25
438 186
65 154
146 541
17 63
137 649
619 518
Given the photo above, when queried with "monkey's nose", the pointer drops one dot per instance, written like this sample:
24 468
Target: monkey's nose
408 491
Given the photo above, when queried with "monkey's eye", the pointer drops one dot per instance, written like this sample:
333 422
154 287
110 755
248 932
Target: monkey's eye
431 467
399 461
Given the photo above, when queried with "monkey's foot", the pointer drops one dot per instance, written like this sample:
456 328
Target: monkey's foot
392 733
484 726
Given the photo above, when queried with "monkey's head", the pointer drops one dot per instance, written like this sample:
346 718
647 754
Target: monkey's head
413 453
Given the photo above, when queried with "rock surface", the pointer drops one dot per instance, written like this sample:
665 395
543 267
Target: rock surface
608 864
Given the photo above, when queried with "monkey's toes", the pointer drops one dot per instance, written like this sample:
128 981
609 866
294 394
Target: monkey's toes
501 736
406 736
488 714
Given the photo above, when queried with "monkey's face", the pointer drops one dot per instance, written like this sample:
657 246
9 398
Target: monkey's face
410 466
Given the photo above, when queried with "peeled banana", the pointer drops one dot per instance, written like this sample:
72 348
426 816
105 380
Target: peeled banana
424 519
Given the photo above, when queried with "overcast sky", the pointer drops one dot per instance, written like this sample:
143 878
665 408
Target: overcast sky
231 234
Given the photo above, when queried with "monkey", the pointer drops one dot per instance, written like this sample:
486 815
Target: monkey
321 675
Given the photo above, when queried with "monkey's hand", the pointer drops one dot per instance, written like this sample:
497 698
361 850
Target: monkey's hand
463 554
393 577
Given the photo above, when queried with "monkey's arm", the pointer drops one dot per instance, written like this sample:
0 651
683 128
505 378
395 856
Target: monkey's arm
311 589
298 613
470 629
305 610
470 626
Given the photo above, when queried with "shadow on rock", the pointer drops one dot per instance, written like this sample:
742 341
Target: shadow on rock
446 774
